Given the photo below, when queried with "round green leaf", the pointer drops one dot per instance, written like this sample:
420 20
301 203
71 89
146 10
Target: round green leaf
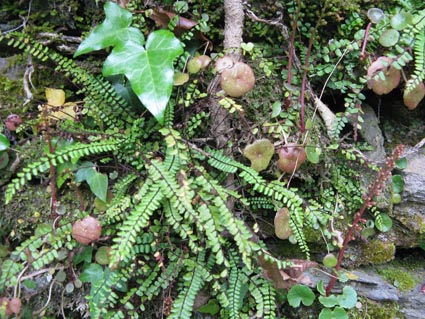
401 163
300 293
313 153
398 183
383 222
389 38
401 20
69 287
375 15
396 198
348 299
4 142
337 313
60 276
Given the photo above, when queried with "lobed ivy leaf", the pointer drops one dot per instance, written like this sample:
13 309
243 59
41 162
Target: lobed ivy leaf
113 31
149 68
348 299
150 71
4 142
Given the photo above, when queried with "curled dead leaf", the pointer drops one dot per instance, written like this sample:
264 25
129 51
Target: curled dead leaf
162 18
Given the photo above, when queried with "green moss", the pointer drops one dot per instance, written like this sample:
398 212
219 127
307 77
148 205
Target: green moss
399 277
377 252
374 310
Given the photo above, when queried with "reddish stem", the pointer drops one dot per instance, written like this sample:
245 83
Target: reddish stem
383 175
366 35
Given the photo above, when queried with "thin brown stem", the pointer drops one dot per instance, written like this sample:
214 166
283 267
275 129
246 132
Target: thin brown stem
374 190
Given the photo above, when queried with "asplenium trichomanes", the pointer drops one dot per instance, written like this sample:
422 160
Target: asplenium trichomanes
148 65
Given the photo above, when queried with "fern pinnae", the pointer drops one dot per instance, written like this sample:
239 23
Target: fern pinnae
137 219
192 282
72 153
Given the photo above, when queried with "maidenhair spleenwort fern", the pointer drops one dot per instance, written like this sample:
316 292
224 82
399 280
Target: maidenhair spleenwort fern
72 153
274 190
101 100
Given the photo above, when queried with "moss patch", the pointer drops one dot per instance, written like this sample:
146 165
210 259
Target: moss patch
374 310
377 252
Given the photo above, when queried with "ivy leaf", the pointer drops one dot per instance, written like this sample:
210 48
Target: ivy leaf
300 293
113 31
150 71
329 301
4 142
93 273
98 183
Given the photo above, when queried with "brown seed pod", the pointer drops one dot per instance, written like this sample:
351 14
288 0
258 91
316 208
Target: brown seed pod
87 230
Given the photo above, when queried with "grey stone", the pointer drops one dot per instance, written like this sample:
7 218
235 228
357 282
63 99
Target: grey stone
367 283
409 215
372 133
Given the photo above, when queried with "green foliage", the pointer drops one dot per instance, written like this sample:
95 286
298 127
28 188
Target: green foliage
149 69
175 225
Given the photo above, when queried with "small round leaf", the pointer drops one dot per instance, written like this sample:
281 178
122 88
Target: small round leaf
300 293
401 20
383 222
375 15
389 38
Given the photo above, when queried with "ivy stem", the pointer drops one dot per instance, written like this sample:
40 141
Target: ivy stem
374 190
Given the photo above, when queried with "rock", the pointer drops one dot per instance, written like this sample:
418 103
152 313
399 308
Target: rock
409 215
372 133
366 283
412 303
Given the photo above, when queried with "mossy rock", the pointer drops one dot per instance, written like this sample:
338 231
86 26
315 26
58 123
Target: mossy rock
377 252
375 310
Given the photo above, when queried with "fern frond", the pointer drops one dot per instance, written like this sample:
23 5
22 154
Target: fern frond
102 102
263 292
151 197
274 190
72 153
9 273
419 64
237 289
192 282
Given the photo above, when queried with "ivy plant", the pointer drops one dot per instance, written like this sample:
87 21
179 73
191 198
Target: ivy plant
148 65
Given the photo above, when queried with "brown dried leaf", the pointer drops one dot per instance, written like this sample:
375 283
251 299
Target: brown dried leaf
162 18
287 277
